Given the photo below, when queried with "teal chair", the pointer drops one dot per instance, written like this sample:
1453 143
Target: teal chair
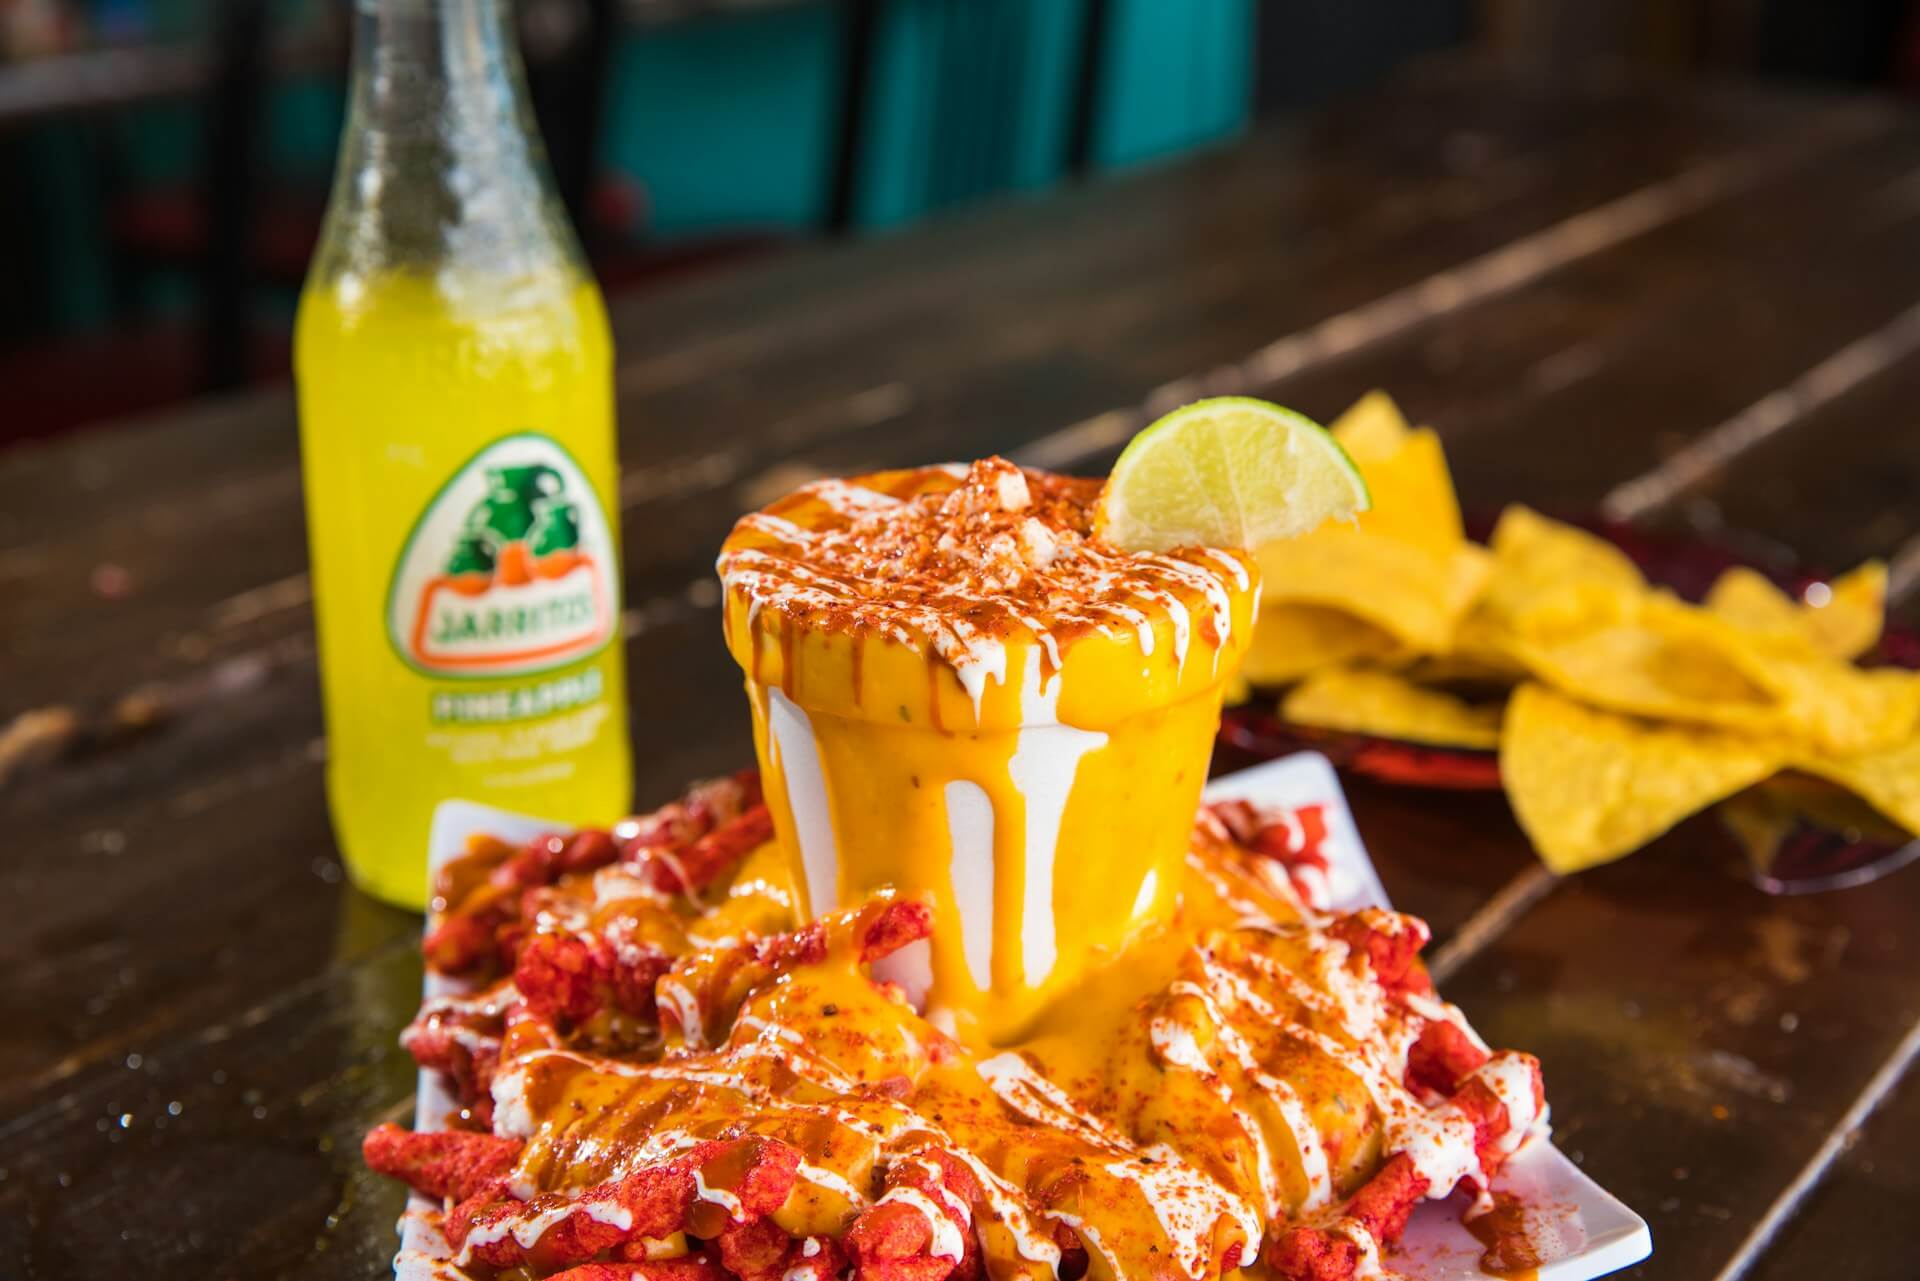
869 114
1003 95
1173 75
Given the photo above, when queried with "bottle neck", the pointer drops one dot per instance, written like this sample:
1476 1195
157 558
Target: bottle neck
440 161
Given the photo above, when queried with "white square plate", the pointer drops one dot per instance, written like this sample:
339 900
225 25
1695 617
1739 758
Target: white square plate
1580 1231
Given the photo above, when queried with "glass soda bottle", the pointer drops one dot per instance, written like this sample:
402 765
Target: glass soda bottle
456 428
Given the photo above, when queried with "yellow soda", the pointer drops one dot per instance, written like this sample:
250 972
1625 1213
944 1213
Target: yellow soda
457 439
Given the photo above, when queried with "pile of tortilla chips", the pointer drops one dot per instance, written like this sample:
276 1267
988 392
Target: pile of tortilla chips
1617 708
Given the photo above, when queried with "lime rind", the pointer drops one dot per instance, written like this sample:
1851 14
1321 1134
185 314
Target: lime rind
1231 471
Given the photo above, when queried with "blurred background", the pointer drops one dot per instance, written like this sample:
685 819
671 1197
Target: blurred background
164 163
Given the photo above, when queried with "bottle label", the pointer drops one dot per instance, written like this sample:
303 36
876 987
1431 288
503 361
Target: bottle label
509 570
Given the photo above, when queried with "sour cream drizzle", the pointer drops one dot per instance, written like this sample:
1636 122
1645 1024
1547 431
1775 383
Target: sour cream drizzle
1187 1203
806 569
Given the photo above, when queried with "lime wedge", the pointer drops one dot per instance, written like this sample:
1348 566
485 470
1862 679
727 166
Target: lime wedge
1227 472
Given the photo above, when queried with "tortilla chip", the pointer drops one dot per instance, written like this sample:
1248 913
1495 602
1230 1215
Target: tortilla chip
1888 780
1415 594
1406 471
1750 600
1850 622
1634 708
1635 670
1469 569
1549 578
1590 786
1292 640
1382 704
1843 709
1845 624
1413 498
1404 565
1655 656
1372 428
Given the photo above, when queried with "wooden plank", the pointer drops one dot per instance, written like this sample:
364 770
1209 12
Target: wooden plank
1695 1069
1684 324
1839 487
172 905
233 1152
1866 1201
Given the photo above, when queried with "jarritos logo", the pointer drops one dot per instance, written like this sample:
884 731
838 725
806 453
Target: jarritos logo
510 569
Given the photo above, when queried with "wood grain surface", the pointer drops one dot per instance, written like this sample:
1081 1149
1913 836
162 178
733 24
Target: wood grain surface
1686 308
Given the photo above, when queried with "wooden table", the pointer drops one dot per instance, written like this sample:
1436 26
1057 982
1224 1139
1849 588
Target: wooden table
1671 306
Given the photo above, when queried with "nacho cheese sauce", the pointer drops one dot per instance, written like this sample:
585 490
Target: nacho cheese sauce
959 689
1238 1069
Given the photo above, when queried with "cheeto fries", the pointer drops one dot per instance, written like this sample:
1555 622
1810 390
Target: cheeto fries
662 1076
